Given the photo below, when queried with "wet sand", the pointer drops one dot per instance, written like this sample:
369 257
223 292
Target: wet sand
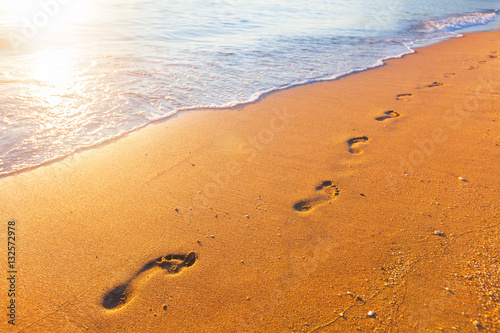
378 193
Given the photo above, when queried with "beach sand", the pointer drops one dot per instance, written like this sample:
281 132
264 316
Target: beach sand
301 212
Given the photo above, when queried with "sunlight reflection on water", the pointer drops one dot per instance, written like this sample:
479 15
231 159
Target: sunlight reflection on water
75 73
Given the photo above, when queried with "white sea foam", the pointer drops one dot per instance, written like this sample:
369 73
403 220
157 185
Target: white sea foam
457 22
111 66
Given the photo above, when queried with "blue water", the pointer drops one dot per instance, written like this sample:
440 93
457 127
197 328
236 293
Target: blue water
77 73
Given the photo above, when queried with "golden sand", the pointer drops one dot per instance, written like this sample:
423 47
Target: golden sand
369 203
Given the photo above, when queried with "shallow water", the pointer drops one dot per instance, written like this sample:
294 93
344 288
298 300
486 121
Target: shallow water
77 73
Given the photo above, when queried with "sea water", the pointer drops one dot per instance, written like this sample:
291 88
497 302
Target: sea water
76 73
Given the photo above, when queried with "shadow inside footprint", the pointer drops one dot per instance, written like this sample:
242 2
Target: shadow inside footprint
388 115
402 97
449 74
330 192
119 296
326 183
354 144
116 298
435 84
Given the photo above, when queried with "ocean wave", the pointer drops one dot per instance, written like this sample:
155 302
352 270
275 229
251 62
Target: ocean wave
58 99
456 22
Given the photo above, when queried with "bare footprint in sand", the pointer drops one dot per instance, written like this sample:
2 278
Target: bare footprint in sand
120 296
354 144
449 74
435 84
388 115
473 68
329 193
403 97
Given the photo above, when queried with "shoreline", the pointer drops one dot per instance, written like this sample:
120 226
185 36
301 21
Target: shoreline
239 105
262 95
380 63
305 210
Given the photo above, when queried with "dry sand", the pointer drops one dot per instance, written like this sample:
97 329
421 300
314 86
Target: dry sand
303 212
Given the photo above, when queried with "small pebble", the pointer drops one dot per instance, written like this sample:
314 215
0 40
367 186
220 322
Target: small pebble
371 313
165 308
476 323
462 179
438 232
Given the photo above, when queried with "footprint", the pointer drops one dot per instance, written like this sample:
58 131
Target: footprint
482 61
354 144
403 97
120 296
492 56
388 115
435 84
449 74
330 193
473 67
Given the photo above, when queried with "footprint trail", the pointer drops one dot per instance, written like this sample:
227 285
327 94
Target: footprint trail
120 296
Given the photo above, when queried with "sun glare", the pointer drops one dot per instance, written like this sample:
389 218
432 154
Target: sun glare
53 67
17 9
55 76
38 23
